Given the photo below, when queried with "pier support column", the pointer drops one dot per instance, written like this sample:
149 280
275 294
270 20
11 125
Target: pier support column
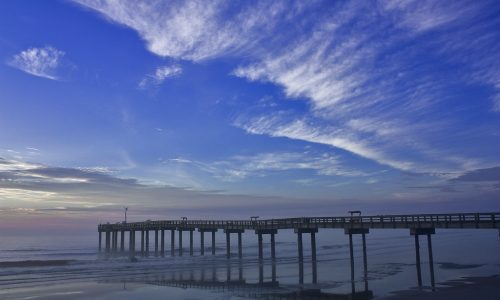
299 232
273 271
365 262
116 241
202 239
417 254
301 272
147 243
301 252
240 246
431 260
261 232
142 243
108 241
191 242
156 242
202 242
213 242
132 243
273 247
228 239
313 246
423 231
180 242
261 255
162 253
228 244
172 242
100 240
261 273
350 232
314 272
122 240
112 242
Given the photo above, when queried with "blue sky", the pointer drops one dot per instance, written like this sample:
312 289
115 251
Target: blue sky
212 108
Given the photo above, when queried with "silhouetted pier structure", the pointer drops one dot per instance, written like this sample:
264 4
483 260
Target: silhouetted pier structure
421 224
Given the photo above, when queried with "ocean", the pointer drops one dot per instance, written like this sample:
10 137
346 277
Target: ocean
62 267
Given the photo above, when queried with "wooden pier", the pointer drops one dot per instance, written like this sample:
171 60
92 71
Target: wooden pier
421 224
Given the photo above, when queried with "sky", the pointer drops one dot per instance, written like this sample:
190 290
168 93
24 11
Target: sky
226 109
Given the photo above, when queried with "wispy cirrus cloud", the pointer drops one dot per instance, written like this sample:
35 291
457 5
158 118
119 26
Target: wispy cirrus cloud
240 167
160 75
193 30
377 76
42 62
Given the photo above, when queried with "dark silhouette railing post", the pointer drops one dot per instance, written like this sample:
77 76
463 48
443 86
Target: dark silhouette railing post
261 255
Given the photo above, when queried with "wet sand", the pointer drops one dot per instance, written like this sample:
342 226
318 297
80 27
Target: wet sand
34 263
480 288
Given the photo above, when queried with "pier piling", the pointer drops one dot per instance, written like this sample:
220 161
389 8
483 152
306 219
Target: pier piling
191 242
122 240
162 252
202 242
156 243
172 242
423 231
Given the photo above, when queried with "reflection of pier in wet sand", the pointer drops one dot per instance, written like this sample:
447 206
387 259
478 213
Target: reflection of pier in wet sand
238 285
422 224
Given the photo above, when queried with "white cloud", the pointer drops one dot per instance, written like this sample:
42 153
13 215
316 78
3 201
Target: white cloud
376 84
300 130
42 62
160 75
262 164
193 30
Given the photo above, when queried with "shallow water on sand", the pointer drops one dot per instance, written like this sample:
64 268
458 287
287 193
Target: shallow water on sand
391 267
